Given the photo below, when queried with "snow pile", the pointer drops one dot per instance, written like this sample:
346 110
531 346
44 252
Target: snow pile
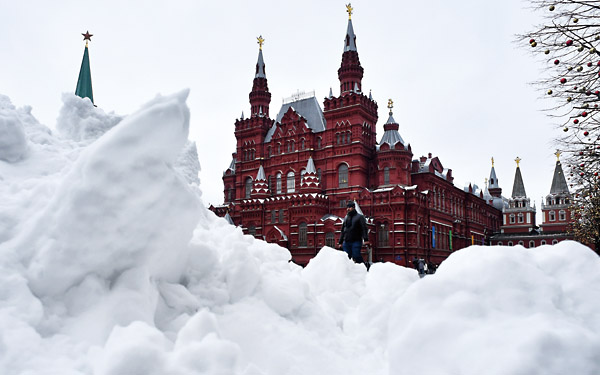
110 264
80 120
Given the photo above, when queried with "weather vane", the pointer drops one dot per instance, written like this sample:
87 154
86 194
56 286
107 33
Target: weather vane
557 153
260 42
87 37
349 9
492 161
518 160
390 105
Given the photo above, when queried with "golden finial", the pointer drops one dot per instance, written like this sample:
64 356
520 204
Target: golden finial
518 160
486 180
492 161
557 153
390 105
349 9
260 42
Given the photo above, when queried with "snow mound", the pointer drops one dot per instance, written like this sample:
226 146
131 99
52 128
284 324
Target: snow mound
110 264
80 120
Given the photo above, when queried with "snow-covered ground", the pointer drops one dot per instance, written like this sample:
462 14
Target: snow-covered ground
110 264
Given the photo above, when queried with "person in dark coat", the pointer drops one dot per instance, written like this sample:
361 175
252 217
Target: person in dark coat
354 234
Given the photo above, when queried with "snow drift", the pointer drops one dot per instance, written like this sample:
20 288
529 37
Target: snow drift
110 264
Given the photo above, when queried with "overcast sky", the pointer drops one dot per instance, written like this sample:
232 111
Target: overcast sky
459 82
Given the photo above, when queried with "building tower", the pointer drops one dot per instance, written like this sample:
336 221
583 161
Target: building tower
494 189
394 156
250 134
84 83
519 216
350 119
555 207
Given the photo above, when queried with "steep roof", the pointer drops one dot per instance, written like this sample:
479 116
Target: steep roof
559 184
260 66
518 186
308 108
84 83
391 136
350 42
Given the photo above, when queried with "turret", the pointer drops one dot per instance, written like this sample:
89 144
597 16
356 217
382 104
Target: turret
556 205
260 97
350 72
393 154
519 216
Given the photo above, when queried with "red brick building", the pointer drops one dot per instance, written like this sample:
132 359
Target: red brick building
291 177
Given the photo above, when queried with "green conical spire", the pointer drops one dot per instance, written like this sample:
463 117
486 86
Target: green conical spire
84 83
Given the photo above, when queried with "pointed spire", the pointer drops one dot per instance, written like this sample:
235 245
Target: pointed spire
330 93
493 179
260 64
350 42
261 174
310 166
559 184
518 186
370 96
84 83
357 208
260 188
310 181
350 72
260 97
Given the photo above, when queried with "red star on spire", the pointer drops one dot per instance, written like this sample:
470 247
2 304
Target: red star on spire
87 36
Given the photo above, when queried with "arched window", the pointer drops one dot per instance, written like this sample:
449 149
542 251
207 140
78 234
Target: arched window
291 182
554 242
562 215
386 175
281 216
383 235
543 242
520 217
521 243
337 136
552 216
302 145
348 137
229 194
302 230
318 142
293 145
531 243
278 182
319 174
343 176
499 243
279 148
512 220
330 239
248 186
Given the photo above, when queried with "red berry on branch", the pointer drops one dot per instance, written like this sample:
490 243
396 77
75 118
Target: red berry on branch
531 41
584 113
556 62
589 64
563 80
586 133
588 92
569 42
575 121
